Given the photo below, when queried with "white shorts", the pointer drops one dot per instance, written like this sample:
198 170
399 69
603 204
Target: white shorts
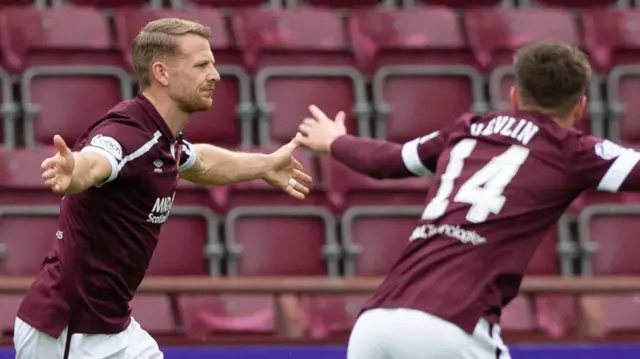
412 334
133 342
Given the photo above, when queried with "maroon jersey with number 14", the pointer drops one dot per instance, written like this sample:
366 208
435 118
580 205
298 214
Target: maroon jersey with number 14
501 181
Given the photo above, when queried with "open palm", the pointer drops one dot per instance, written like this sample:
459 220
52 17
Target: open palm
286 172
57 170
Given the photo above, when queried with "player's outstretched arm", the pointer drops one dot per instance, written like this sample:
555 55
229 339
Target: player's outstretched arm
70 172
374 158
217 166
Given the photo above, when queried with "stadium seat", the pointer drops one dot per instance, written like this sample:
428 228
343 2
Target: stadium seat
418 59
222 3
200 254
346 188
21 178
610 38
494 38
9 304
301 57
342 3
607 237
228 122
8 111
109 3
65 50
154 313
281 240
459 3
374 237
570 3
39 225
260 193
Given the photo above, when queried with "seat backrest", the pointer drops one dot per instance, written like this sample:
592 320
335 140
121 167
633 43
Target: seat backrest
290 37
345 187
107 3
401 37
611 36
58 36
608 239
281 240
494 34
21 177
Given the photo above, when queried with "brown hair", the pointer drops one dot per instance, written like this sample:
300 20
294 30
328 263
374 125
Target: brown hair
551 76
157 39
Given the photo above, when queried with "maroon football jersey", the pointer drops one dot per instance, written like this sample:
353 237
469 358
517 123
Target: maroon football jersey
501 182
107 234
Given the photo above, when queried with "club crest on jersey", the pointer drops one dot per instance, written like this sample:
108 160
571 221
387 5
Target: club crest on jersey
108 144
608 150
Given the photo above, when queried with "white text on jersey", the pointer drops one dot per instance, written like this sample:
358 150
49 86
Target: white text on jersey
161 209
523 131
427 231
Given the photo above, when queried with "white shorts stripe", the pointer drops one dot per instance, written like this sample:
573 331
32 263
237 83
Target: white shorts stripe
619 170
411 159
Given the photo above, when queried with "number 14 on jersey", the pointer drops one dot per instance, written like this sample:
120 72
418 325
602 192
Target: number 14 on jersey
484 189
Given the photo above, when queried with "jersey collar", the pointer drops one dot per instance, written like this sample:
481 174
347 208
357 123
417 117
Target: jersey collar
151 111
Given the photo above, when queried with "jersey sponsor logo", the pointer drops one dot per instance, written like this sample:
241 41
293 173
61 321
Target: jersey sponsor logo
427 231
608 150
108 144
160 211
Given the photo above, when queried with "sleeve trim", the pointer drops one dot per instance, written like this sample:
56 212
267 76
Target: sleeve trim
619 170
411 158
191 160
112 160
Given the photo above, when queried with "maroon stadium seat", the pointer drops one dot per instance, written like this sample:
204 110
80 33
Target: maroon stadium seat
222 3
569 3
191 231
302 57
460 3
228 123
609 242
418 58
65 50
154 314
343 3
28 233
494 39
8 109
345 187
374 237
228 314
21 178
9 304
79 53
109 3
259 193
613 45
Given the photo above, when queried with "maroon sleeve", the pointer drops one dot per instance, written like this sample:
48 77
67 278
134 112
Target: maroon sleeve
383 159
598 163
121 141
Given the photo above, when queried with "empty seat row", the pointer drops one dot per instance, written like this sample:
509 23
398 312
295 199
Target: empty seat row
280 241
412 69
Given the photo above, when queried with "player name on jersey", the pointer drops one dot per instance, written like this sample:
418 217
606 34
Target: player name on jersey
520 130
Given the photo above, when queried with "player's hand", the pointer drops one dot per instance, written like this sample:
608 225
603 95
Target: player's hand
320 131
57 170
286 172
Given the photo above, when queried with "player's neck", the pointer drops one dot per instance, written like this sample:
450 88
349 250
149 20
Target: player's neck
175 118
564 122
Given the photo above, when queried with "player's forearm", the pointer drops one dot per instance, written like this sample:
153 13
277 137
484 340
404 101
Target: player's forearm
217 166
374 158
83 175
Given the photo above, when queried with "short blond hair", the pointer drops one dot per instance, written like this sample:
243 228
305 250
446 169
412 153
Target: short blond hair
157 40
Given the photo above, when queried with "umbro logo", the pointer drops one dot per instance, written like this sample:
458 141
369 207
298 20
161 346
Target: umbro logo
158 166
